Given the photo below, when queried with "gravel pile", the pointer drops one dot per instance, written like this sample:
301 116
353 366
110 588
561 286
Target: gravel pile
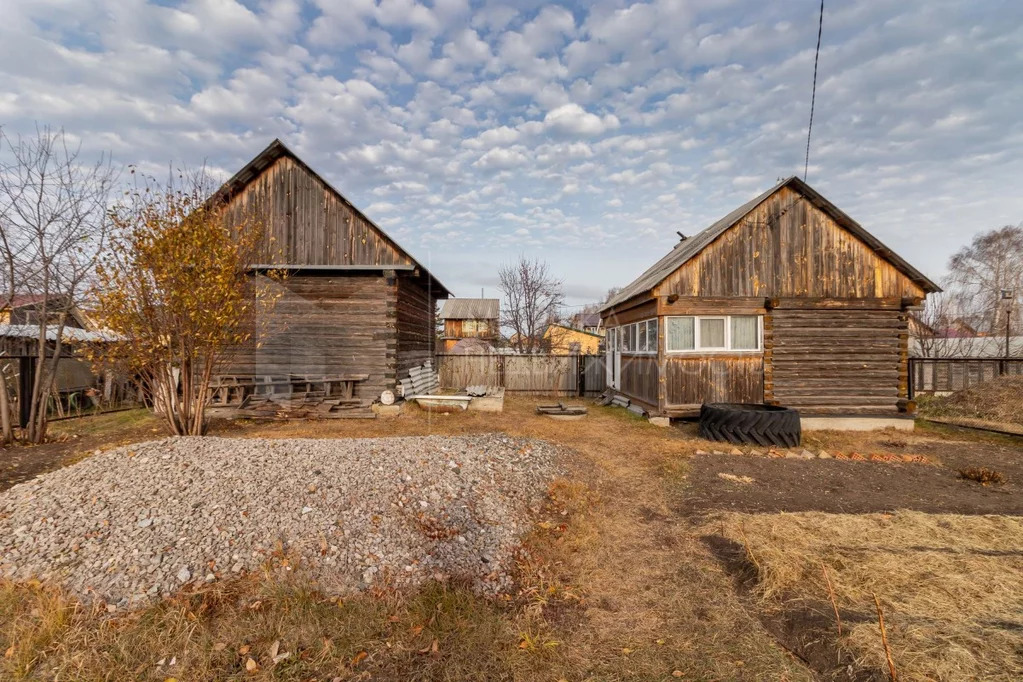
140 522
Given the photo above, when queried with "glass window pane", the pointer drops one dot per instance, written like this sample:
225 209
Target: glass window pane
641 341
651 335
680 332
712 333
744 333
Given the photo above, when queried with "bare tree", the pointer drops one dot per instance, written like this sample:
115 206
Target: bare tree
53 215
533 299
980 272
933 329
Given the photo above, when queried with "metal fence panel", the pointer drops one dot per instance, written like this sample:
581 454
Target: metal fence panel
946 375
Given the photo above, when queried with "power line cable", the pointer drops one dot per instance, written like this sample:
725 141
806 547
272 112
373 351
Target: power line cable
813 95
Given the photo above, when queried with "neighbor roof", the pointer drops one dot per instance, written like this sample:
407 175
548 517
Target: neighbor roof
689 248
470 309
277 150
71 334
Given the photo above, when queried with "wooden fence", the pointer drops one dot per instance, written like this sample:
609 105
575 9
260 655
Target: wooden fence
540 374
944 375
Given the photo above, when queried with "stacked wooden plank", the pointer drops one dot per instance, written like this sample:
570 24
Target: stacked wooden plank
423 380
293 397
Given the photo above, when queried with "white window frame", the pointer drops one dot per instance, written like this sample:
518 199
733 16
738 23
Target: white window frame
697 350
697 335
652 343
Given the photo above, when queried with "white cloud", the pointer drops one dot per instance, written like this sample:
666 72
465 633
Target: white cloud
572 119
588 126
501 158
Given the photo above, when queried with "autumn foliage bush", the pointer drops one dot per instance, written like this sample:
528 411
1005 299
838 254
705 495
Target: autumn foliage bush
175 289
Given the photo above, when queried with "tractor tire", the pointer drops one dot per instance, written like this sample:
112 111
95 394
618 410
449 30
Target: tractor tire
754 424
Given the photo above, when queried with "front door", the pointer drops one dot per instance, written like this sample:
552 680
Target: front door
613 358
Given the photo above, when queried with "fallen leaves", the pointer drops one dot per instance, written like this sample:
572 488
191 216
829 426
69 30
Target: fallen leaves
251 666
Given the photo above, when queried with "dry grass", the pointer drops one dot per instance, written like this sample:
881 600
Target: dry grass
613 587
999 401
951 586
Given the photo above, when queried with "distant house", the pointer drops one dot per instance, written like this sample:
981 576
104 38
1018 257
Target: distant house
469 318
588 322
355 303
564 340
786 300
29 308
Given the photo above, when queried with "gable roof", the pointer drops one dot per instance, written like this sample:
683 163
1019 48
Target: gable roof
686 250
277 150
574 330
470 309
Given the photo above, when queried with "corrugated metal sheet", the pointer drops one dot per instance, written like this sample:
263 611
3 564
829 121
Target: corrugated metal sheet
471 309
30 331
692 246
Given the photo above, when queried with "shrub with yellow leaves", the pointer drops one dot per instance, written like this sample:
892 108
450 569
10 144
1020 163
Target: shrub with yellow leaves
176 291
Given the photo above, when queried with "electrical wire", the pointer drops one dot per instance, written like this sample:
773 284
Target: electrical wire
813 95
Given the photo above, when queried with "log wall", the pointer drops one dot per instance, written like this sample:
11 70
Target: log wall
414 324
836 361
325 326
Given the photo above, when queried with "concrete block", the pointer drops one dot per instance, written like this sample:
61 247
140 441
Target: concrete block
387 410
660 421
856 423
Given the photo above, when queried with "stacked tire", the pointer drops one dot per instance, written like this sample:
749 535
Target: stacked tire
753 424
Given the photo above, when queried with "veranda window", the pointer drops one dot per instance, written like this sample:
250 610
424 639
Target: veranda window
712 333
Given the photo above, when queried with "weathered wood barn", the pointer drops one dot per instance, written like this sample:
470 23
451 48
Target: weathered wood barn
354 304
786 300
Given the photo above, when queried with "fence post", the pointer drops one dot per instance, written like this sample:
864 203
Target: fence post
910 388
580 375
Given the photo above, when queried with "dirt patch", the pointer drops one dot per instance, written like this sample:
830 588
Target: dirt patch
786 485
72 439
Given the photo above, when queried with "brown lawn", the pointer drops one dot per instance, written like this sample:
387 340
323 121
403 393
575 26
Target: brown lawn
633 573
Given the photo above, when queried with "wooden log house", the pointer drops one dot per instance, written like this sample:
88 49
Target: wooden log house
786 300
356 310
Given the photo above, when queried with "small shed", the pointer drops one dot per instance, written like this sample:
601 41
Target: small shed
786 300
469 318
355 306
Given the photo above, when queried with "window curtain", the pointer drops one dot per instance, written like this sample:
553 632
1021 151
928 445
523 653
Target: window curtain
744 333
712 333
681 333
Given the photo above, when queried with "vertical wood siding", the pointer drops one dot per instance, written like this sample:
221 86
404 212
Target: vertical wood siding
306 223
717 379
640 378
787 247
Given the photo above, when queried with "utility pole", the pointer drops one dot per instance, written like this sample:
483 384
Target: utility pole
1007 296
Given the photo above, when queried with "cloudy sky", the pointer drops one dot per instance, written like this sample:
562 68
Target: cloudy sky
583 133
